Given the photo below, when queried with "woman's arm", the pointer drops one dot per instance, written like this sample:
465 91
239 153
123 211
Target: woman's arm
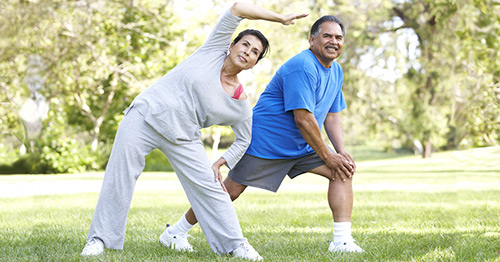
243 135
252 12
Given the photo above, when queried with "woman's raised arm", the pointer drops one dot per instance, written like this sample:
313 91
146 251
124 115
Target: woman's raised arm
253 12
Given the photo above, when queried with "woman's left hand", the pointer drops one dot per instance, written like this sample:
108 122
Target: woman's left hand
217 174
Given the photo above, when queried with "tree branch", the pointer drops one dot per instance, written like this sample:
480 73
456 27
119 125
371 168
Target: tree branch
84 107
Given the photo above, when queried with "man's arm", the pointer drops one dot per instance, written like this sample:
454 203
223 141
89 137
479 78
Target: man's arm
334 130
306 122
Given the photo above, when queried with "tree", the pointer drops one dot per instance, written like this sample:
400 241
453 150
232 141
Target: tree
476 114
100 55
414 70
428 20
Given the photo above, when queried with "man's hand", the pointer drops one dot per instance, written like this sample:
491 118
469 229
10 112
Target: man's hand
333 128
342 164
341 167
349 159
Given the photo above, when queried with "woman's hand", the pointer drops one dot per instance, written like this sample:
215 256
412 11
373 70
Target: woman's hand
217 174
253 12
290 18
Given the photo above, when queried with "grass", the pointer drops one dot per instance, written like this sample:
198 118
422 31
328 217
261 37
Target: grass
406 209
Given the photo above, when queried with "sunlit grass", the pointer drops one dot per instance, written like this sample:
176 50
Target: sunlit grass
406 209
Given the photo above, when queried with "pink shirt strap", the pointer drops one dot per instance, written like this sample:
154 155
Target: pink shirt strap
238 92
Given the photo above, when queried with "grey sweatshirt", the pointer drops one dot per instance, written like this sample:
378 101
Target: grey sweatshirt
191 97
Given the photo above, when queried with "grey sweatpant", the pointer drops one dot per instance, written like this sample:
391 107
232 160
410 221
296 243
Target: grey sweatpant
134 140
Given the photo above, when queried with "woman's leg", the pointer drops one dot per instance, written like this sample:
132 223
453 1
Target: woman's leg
212 206
134 140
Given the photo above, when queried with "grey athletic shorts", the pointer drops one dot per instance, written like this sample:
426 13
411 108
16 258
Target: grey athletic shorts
269 173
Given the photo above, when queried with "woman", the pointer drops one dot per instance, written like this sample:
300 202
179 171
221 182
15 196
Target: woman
197 93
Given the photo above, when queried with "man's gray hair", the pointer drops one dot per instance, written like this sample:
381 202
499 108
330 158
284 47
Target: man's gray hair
327 18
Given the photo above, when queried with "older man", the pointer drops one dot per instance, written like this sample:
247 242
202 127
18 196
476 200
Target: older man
304 94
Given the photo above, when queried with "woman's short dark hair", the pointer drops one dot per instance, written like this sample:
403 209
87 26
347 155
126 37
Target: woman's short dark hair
327 18
259 35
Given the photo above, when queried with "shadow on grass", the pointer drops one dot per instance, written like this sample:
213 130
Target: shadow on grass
416 171
369 153
390 226
47 242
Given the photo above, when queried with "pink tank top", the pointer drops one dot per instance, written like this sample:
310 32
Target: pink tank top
238 92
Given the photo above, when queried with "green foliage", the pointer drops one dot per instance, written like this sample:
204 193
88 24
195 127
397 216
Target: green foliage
156 161
100 55
65 155
413 70
477 103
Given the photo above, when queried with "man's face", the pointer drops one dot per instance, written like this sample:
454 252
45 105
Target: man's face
328 44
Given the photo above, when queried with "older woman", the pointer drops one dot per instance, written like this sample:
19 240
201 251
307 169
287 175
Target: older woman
201 91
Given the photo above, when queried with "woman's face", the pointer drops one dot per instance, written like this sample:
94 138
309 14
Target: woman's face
246 52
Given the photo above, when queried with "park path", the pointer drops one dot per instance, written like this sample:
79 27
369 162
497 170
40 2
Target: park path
32 185
468 167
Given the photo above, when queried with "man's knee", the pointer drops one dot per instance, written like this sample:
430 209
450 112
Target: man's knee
234 194
233 189
323 171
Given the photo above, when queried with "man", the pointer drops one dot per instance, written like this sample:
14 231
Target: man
305 93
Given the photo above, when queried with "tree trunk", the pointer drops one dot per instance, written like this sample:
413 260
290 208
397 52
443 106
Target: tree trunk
427 148
95 137
215 146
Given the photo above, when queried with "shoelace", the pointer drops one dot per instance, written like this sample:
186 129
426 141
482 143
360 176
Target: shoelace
248 248
93 241
345 242
187 236
244 245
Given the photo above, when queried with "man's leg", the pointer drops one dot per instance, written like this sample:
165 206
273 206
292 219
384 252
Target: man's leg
340 195
261 173
340 199
217 216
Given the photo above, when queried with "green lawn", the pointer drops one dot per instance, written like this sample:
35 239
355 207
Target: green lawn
406 209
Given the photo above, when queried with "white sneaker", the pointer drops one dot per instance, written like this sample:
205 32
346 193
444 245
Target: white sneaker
94 247
177 242
347 246
245 250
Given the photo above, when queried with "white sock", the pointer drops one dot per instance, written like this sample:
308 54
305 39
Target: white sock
341 232
181 227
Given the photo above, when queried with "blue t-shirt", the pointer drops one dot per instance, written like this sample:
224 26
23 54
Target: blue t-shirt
301 83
